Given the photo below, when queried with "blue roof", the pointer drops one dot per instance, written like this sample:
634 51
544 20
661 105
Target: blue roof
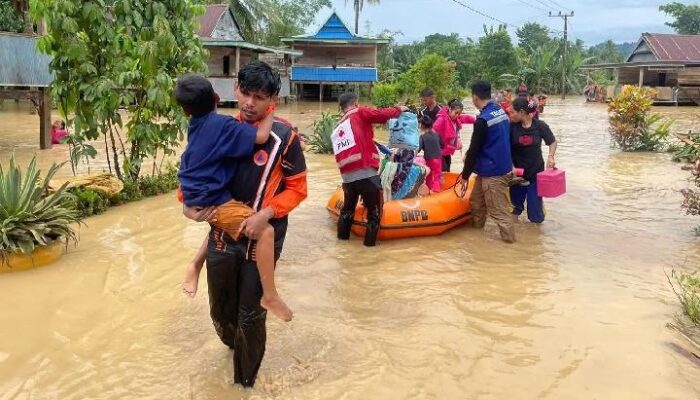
335 30
328 74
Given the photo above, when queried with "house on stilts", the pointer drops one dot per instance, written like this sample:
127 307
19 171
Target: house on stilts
333 59
25 75
669 63
228 51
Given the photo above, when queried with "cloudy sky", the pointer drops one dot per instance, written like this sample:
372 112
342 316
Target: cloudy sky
594 20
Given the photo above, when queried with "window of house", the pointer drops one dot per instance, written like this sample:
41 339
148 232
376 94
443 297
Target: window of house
227 65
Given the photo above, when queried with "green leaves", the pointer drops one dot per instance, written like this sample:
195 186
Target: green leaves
125 58
632 128
320 142
433 71
687 17
29 214
10 20
385 95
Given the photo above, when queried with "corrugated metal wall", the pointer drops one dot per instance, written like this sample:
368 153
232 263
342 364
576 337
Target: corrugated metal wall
21 64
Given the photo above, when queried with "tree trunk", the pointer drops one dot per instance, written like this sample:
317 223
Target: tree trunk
117 169
109 163
28 26
357 17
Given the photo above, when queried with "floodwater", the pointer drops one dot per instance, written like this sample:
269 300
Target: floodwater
575 310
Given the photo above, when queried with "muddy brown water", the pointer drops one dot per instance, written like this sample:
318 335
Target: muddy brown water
576 310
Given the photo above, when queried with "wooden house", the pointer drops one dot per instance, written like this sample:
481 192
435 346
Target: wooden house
24 74
228 51
333 57
669 63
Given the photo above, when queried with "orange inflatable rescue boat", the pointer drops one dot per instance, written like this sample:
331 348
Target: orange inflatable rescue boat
422 216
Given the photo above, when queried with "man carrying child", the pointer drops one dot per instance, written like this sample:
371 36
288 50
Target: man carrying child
271 180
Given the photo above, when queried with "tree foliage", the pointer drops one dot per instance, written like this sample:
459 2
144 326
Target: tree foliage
122 54
10 19
606 52
532 36
632 127
496 55
385 95
433 71
687 17
537 61
290 18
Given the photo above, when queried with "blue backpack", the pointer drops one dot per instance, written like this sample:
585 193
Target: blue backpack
403 132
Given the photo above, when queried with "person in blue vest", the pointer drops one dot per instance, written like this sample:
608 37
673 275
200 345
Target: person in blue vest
489 156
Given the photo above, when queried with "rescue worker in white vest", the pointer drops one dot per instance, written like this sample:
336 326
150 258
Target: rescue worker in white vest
489 156
358 161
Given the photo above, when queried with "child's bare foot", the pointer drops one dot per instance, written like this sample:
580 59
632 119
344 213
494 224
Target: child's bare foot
275 305
189 285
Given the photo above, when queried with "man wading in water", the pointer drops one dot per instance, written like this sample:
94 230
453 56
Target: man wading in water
489 156
273 183
358 161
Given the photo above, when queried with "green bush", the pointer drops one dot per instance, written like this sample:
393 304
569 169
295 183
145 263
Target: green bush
148 186
687 289
385 95
30 216
685 151
433 71
632 128
87 201
320 141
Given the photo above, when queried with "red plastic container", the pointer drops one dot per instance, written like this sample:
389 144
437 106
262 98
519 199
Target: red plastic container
551 183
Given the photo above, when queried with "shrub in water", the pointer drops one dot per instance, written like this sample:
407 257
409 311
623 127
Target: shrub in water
632 128
687 289
30 216
385 95
320 141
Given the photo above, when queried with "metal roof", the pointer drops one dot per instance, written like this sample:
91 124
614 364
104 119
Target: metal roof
671 47
327 74
23 64
208 21
642 64
335 31
251 46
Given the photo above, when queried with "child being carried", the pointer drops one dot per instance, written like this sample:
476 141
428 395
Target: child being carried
205 172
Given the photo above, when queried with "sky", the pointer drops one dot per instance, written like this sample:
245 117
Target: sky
594 21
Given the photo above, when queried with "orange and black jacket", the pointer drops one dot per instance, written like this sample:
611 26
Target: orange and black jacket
273 176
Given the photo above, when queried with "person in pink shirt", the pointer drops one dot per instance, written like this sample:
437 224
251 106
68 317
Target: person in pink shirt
58 131
449 123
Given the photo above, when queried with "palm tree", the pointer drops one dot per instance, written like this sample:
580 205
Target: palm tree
358 4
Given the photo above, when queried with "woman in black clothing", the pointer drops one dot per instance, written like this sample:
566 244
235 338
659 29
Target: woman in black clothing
527 135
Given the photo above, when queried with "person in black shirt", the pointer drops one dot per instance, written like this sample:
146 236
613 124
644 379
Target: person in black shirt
431 145
527 135
430 107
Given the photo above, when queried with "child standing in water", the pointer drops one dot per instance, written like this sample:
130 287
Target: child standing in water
431 144
58 131
207 167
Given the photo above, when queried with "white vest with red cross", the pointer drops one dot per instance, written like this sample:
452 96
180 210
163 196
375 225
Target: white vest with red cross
353 144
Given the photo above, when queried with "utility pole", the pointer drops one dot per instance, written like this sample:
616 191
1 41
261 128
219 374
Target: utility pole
565 17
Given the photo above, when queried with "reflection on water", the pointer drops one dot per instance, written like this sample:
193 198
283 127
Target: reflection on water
575 310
